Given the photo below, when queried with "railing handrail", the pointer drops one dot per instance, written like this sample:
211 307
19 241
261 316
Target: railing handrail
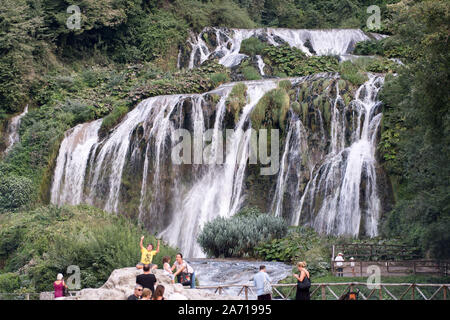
327 284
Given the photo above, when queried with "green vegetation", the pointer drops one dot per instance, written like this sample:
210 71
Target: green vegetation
415 141
300 244
271 110
250 73
253 46
46 240
239 235
236 100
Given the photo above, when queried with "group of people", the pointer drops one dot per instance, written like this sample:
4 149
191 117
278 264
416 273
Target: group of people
145 282
339 263
185 275
180 270
264 289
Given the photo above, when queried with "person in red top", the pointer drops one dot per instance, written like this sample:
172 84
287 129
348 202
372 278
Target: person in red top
59 286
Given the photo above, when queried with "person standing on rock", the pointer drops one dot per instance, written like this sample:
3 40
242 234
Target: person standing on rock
262 283
303 282
183 270
147 279
147 255
137 293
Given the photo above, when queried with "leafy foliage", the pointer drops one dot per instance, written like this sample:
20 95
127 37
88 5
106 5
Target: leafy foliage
415 139
46 240
239 235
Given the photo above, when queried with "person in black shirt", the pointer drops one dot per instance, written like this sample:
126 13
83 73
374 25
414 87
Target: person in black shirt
137 293
147 279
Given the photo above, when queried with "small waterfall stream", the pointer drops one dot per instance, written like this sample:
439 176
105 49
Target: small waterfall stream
13 130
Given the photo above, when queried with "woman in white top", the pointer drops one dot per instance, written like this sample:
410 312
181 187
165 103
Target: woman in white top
183 266
167 270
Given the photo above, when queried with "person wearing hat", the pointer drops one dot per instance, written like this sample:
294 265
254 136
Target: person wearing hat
59 286
339 263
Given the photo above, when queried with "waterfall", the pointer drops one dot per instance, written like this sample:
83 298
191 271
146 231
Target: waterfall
70 170
261 65
327 177
218 192
227 42
339 182
13 130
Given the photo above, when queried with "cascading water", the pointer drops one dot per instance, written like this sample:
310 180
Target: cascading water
332 190
13 130
327 177
332 199
227 42
218 192
261 65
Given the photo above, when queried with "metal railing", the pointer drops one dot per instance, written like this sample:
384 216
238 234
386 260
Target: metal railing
396 291
355 268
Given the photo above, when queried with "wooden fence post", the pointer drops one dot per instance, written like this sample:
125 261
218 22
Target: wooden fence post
445 292
246 292
323 293
413 293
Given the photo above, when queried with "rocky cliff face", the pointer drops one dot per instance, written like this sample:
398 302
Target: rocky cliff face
120 286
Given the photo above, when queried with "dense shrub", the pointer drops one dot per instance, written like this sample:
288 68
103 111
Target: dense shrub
270 111
15 192
239 235
250 73
253 46
9 282
113 118
350 71
236 100
219 78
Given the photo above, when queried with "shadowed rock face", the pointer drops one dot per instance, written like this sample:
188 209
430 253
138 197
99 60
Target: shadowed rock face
120 286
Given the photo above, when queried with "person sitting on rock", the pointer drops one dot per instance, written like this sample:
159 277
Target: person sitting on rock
147 255
147 279
185 270
137 293
167 271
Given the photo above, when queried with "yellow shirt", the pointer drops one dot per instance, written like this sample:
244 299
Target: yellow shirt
147 256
